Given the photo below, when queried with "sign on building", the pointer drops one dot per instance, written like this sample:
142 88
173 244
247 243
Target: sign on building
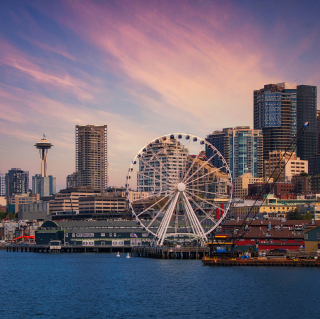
118 243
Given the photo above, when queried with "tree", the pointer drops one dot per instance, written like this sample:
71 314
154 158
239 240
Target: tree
2 215
12 215
307 216
304 174
294 215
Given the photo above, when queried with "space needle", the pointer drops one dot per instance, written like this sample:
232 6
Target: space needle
43 146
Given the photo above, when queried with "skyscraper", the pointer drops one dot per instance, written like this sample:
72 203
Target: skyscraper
241 147
2 185
17 182
275 113
45 186
318 121
307 146
92 156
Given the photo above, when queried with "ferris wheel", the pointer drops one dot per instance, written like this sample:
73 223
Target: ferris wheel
179 188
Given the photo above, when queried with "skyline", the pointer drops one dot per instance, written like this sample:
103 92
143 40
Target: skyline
145 69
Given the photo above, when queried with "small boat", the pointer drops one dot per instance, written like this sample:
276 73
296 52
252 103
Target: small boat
118 254
128 256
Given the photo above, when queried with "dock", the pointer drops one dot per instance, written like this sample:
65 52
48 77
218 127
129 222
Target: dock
170 252
256 261
67 249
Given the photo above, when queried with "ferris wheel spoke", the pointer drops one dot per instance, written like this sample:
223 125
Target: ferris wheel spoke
198 190
191 166
191 194
151 167
157 202
150 177
208 215
205 163
149 196
160 211
195 224
217 169
155 156
162 230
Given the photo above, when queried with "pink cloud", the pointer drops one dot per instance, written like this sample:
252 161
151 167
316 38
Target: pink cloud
192 70
40 73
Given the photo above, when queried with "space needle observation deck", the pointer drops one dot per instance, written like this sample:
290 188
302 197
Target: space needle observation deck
43 146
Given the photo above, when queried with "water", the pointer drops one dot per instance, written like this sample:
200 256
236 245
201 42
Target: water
35 285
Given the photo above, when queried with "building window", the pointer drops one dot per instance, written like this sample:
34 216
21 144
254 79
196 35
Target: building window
103 234
306 236
318 235
67 234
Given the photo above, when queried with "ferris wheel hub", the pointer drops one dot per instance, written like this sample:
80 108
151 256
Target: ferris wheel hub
181 187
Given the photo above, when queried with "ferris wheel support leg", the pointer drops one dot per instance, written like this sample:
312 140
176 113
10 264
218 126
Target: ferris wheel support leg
194 220
166 220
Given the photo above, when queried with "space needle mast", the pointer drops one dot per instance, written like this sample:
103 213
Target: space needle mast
43 146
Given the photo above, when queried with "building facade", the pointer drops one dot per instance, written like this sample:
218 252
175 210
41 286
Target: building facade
240 184
23 199
241 147
2 185
275 113
45 186
307 146
281 163
67 200
17 182
167 165
92 156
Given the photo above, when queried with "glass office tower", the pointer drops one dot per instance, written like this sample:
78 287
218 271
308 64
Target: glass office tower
241 147
307 146
275 113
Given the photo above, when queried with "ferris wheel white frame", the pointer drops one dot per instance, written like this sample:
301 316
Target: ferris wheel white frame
178 189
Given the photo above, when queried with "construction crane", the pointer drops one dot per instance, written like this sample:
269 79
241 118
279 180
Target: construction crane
244 227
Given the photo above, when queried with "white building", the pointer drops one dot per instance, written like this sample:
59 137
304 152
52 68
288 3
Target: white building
295 167
161 165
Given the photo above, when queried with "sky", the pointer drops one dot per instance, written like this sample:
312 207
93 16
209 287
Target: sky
144 68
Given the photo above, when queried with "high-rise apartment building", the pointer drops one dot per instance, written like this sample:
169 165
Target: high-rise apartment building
17 182
275 113
241 147
307 146
92 156
45 186
318 122
169 166
72 180
2 185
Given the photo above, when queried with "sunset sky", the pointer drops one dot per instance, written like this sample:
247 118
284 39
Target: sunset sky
144 68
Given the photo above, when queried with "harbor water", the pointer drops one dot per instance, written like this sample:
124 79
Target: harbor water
91 285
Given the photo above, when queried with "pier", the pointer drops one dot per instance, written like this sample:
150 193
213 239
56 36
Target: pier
256 261
67 249
170 252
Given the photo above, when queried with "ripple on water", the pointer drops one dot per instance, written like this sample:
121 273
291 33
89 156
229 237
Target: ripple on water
100 285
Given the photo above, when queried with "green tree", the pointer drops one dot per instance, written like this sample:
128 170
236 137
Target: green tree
294 215
304 174
2 215
12 215
307 216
